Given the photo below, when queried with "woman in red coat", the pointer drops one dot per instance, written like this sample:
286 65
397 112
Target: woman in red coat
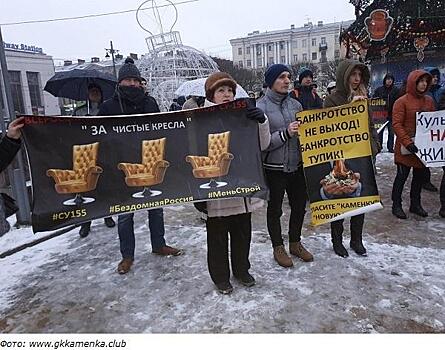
404 124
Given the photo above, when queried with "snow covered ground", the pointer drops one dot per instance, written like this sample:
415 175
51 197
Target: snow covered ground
70 285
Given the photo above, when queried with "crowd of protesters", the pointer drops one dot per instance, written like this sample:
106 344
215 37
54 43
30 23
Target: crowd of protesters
277 106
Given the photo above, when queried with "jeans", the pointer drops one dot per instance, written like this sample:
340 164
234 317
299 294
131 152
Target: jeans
125 229
420 176
390 142
218 229
294 185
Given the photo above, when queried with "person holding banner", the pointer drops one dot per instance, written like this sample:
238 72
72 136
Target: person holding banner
283 165
91 108
130 98
9 146
231 216
404 123
352 79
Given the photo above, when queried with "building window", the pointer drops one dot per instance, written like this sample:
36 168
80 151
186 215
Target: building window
282 59
304 43
295 58
248 50
304 57
240 64
240 51
314 42
314 56
259 62
281 45
249 63
269 47
323 40
34 89
270 60
258 50
16 89
337 54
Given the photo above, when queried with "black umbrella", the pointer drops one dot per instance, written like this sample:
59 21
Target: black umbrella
74 83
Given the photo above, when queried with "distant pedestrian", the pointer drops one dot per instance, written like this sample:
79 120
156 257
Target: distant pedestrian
389 92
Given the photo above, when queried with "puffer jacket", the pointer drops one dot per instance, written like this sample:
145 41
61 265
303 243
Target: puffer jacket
235 206
283 153
404 117
8 149
340 96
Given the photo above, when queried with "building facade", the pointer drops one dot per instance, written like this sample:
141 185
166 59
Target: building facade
315 43
29 69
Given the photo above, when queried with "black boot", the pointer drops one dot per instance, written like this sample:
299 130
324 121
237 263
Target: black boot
338 246
109 222
428 186
417 209
397 211
356 243
85 229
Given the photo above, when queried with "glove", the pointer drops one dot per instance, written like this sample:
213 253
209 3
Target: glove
412 148
256 114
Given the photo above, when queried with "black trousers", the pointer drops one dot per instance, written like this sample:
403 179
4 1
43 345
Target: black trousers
294 185
218 228
357 222
420 176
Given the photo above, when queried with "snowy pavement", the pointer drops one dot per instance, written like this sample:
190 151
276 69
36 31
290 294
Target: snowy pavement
70 284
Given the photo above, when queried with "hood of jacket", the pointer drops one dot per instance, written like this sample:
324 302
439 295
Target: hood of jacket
388 76
344 70
413 78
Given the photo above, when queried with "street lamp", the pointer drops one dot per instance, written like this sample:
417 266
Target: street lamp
112 51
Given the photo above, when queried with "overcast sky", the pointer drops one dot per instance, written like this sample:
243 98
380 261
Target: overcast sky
204 24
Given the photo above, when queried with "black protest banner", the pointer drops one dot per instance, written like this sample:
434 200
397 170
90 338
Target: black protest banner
85 168
379 113
430 138
337 162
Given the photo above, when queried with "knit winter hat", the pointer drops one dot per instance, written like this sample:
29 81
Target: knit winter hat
273 72
304 72
216 80
129 70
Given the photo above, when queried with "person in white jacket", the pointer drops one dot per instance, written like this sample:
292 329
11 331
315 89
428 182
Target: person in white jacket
233 215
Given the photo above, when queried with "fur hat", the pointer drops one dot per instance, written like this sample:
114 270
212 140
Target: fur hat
129 70
273 72
216 80
304 72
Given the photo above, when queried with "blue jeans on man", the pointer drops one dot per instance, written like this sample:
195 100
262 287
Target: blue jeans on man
125 229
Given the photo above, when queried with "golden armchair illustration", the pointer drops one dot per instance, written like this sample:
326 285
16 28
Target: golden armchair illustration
150 172
82 178
216 164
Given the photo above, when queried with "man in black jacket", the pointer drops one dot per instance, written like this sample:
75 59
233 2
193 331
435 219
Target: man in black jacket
389 93
304 90
130 98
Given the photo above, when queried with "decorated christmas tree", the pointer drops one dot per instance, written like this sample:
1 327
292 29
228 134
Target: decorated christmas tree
391 28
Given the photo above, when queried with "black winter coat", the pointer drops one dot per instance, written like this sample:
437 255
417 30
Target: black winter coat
8 149
390 95
307 98
113 106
